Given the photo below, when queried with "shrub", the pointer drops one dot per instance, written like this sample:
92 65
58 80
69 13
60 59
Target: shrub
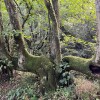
65 77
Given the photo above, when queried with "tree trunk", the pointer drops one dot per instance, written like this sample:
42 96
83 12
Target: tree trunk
55 42
1 29
39 65
1 25
97 59
56 9
14 19
2 44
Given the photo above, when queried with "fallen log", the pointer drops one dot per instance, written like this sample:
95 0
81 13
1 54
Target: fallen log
83 65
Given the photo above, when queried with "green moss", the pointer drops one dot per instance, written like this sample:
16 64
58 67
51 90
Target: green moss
33 63
40 65
79 64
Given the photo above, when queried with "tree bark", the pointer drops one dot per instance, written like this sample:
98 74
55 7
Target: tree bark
2 44
55 42
56 9
1 25
97 58
14 19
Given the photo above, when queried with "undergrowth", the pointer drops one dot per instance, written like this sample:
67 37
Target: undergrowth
83 89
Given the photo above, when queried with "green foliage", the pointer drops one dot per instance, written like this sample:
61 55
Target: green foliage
6 70
65 77
69 38
79 17
6 62
77 47
61 94
22 93
63 66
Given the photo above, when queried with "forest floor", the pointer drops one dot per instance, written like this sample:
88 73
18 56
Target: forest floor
6 86
82 85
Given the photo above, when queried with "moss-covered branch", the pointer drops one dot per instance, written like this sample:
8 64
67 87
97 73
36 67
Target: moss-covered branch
79 64
33 63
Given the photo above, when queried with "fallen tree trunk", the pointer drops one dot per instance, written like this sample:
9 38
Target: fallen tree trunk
83 65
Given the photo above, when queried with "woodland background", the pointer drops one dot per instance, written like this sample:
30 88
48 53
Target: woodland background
50 50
